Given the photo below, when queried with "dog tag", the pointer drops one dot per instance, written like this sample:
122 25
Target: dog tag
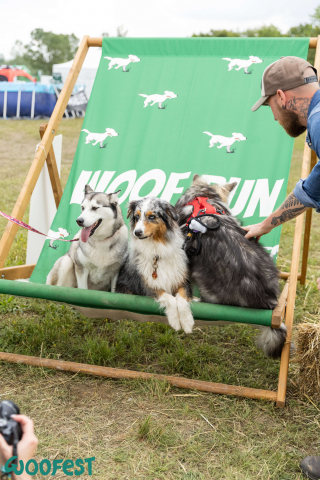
155 267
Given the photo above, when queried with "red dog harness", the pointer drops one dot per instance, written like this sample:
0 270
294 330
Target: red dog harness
201 205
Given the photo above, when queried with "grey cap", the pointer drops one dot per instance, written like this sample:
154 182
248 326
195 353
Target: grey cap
284 74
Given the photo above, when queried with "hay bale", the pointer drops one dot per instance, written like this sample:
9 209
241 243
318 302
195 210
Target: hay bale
307 355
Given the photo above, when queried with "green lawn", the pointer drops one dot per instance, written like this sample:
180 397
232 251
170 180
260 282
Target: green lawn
147 430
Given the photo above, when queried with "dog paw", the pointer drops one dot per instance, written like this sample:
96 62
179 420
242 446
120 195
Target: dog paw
174 322
186 318
168 302
196 299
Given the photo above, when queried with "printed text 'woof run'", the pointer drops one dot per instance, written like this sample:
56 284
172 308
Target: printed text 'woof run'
247 196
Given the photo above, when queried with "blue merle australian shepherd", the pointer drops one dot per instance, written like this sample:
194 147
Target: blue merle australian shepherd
157 265
229 269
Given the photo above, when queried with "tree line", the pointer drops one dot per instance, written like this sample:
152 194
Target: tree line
47 48
311 29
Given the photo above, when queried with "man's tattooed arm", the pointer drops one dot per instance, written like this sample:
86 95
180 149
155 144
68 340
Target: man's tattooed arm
286 211
290 208
290 201
300 105
287 215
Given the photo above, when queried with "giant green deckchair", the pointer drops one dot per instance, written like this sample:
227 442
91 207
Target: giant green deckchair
203 91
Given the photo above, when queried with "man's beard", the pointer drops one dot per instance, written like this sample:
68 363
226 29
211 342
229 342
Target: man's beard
289 120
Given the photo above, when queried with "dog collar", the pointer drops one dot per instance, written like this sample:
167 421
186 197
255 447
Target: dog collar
108 238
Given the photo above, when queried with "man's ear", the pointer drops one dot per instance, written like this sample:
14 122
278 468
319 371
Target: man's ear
114 196
87 189
131 208
281 99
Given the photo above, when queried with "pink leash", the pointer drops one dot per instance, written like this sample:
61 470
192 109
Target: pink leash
27 227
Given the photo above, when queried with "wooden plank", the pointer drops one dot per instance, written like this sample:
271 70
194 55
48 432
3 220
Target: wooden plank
278 312
39 159
286 275
284 364
52 169
307 227
95 41
313 42
119 373
14 273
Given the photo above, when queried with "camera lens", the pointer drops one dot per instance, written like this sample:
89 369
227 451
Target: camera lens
8 408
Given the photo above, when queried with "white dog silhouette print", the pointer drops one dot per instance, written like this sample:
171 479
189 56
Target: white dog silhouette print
225 141
242 63
157 98
122 62
99 137
61 233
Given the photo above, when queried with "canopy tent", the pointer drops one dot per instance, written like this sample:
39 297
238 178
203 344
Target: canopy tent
206 99
88 72
10 74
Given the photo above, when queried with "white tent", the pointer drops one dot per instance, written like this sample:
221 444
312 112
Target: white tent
88 71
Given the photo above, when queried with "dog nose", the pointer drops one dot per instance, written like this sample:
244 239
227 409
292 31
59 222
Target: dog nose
138 233
80 222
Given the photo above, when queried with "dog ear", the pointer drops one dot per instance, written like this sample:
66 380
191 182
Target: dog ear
171 211
87 189
114 196
230 186
131 208
195 177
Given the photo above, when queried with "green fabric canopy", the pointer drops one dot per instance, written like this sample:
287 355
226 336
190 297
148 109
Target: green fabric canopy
166 98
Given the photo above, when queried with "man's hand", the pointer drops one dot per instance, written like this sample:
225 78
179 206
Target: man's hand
256 230
26 447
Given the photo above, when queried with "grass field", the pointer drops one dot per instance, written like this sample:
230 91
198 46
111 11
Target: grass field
147 430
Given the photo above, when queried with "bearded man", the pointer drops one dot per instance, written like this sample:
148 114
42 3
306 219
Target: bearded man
290 88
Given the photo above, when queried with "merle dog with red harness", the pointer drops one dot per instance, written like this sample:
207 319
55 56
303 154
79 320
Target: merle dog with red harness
227 268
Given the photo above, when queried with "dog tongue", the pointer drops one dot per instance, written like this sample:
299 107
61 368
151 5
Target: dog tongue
85 233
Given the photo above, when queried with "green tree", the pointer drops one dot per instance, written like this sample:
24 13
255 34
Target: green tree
44 50
218 33
306 30
316 16
264 31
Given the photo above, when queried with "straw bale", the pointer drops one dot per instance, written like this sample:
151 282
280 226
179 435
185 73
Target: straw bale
307 355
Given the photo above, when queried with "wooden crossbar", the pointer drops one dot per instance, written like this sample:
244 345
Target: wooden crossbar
285 307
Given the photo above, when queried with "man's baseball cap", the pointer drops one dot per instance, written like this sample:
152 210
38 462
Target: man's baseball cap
284 74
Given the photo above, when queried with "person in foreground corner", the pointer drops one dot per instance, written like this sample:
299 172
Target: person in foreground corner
290 88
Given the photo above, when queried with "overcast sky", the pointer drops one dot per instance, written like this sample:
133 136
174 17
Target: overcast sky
145 18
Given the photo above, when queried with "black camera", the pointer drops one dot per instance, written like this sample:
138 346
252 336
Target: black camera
10 429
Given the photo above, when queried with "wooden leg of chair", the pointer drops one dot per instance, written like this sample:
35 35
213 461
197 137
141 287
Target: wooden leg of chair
52 169
278 312
307 230
306 241
284 364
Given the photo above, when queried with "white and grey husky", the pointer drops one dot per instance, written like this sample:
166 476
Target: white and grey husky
94 262
229 269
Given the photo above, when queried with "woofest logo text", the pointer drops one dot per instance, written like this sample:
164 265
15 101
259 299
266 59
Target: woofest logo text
252 193
45 467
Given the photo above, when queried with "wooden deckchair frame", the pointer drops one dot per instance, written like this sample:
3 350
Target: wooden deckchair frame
285 307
